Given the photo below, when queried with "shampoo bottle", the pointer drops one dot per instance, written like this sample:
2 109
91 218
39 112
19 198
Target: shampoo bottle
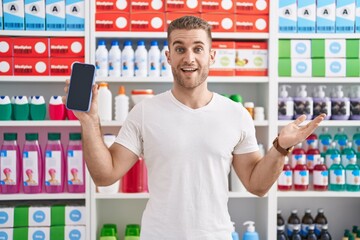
355 104
5 108
234 234
347 154
340 105
322 104
21 108
302 103
285 104
56 108
37 108
250 233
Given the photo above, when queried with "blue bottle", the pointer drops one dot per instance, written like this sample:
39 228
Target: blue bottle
250 233
234 234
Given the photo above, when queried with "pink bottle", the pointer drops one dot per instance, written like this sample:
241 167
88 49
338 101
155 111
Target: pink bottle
75 165
32 164
285 179
133 180
70 115
56 108
301 176
312 152
54 164
298 154
321 176
10 161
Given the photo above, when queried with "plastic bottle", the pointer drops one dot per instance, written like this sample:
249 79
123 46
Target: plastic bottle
355 104
296 234
121 105
132 232
336 176
133 180
298 154
358 234
311 233
340 105
310 142
280 234
56 108
280 222
164 64
127 60
331 154
250 233
312 154
320 176
324 141
322 104
75 165
154 60
293 222
340 139
101 59
347 154
54 164
320 221
108 232
285 104
346 234
32 162
10 164
356 140
259 114
352 172
354 229
302 103
141 60
285 179
306 222
104 102
37 108
115 60
250 108
325 235
5 108
21 108
234 234
301 176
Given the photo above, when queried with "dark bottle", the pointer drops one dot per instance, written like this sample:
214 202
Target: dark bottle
281 234
320 221
280 220
346 233
296 234
306 221
292 223
325 235
354 229
311 233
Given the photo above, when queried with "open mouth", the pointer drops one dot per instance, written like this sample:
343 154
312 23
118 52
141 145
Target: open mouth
188 69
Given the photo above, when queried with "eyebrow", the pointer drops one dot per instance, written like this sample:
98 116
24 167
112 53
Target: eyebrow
181 42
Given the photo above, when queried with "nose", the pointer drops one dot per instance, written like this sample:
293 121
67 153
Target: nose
189 57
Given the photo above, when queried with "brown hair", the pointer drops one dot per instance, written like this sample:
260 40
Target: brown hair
189 23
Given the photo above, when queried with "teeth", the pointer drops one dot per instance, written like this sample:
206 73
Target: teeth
188 69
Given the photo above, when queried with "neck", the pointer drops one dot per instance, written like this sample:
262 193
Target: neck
193 98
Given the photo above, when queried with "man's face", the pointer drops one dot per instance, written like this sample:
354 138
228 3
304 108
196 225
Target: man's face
190 57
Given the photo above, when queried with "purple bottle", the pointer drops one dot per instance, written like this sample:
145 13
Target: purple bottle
75 165
32 164
285 104
54 164
340 105
10 161
322 104
302 103
355 104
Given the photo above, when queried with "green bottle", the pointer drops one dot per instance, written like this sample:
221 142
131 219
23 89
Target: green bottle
37 108
5 108
108 232
331 154
352 172
21 108
324 141
336 176
347 154
356 144
340 139
236 98
132 232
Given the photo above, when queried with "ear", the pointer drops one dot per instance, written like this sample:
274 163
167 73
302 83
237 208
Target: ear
167 54
212 56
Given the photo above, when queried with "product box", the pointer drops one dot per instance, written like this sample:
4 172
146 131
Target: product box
325 16
251 59
147 22
218 6
147 6
224 64
220 22
352 48
294 48
67 47
188 6
6 47
39 216
357 17
67 215
345 16
112 22
75 15
6 213
306 16
113 6
171 16
31 66
6 233
295 67
31 47
328 48
31 233
55 15
6 67
287 16
62 66
14 14
1 15
252 23
35 15
252 7
68 232
336 67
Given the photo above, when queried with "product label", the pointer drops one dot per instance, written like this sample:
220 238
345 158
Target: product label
304 106
324 144
8 167
290 228
330 158
286 108
53 168
353 177
285 178
301 177
325 17
345 16
322 107
75 15
295 158
304 229
321 178
346 158
30 168
355 109
55 15
75 167
337 176
306 15
287 16
312 160
35 14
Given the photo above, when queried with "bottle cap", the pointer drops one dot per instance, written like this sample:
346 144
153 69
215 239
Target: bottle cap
132 230
54 136
249 105
141 43
308 210
321 210
10 136
356 93
142 91
338 92
301 91
250 226
127 43
31 136
121 90
101 43
294 211
75 136
236 98
283 92
166 43
279 211
103 84
154 43
115 43
320 93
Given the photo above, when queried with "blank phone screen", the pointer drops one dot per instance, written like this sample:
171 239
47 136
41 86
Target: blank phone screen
81 81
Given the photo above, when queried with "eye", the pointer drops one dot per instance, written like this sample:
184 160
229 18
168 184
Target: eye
179 50
198 49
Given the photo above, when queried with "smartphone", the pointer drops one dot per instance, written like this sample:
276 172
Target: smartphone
80 88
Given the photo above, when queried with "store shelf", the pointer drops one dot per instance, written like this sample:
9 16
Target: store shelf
326 123
52 123
32 79
22 33
312 194
326 80
41 196
318 36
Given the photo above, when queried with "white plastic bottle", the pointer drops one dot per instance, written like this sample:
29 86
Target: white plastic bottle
165 68
104 102
127 60
154 60
141 59
101 59
114 60
121 105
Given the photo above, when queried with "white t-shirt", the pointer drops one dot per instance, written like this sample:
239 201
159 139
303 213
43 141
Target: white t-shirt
188 153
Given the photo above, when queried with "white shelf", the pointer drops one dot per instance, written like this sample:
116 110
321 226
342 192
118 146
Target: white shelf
22 33
318 36
324 194
53 123
319 80
32 79
325 123
41 196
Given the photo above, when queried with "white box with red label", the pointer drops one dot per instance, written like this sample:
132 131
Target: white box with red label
218 6
62 66
251 59
6 46
220 22
147 22
113 6
252 23
252 7
6 66
147 6
224 64
189 6
31 47
31 66
67 47
112 22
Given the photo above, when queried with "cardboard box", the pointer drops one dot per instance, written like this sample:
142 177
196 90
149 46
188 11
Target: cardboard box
295 67
55 15
171 16
113 6
336 67
306 16
218 6
62 66
220 22
31 47
14 14
188 6
287 16
75 15
112 22
294 48
252 23
35 15
6 47
31 66
252 7
345 16
325 16
6 66
328 48
6 233
68 232
353 48
251 59
147 22
6 213
357 17
224 64
1 16
39 216
147 6
67 215
68 47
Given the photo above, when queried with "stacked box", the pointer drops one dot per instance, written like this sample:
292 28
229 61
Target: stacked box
185 6
287 16
14 14
224 64
55 15
35 15
325 16
75 15
251 59
306 16
345 16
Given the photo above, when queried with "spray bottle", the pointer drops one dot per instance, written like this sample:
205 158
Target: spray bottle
355 104
322 104
302 103
285 104
250 233
340 105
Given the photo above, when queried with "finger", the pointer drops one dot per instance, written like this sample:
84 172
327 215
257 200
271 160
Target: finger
300 119
63 99
312 125
67 81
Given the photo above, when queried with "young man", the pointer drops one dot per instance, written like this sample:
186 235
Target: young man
189 137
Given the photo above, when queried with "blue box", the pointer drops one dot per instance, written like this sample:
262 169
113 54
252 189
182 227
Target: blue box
35 15
75 15
14 15
287 16
357 18
306 15
325 16
1 16
345 16
55 15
